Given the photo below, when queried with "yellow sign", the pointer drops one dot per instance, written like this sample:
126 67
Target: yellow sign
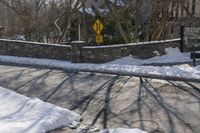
98 27
99 39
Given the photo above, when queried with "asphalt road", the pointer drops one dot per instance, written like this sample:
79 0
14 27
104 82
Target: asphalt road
110 101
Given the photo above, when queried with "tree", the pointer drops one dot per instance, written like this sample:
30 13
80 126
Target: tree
69 11
53 20
28 12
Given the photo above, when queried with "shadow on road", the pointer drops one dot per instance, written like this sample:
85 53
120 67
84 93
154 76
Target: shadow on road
112 101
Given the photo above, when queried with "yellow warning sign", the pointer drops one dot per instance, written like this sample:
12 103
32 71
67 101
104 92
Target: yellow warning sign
98 27
99 39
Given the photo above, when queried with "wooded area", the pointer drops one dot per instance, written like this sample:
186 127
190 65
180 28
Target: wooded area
124 21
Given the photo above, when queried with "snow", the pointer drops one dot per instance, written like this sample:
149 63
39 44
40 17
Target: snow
36 43
88 10
166 72
118 2
20 114
173 55
127 66
122 130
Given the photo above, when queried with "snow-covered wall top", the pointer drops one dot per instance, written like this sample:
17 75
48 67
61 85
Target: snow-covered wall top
134 44
33 43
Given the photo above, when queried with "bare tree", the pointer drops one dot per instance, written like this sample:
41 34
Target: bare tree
115 13
193 7
27 12
53 20
71 8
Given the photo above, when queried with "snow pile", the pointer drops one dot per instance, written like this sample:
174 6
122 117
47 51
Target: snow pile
20 114
122 130
165 72
34 61
173 55
198 68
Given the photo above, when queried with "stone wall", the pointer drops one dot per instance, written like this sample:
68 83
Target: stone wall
101 54
77 52
35 50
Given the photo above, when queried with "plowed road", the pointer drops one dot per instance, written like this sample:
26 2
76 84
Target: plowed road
109 101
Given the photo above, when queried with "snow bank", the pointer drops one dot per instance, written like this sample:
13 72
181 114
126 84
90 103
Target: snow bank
20 114
166 72
178 73
122 130
173 55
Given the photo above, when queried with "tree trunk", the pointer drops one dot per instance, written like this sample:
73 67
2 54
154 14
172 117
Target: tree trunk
138 16
193 7
85 34
177 9
119 26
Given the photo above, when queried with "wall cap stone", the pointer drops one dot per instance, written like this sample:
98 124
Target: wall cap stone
132 44
36 43
78 42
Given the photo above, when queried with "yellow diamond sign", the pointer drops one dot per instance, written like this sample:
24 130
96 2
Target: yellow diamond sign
98 27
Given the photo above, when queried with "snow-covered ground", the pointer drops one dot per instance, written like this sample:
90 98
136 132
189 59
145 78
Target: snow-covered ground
173 55
20 114
122 130
123 67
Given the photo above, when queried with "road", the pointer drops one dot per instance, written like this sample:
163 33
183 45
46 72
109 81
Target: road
110 101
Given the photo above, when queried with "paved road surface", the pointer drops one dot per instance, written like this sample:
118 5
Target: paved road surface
109 101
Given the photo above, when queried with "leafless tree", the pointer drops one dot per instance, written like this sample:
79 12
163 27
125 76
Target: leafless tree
69 11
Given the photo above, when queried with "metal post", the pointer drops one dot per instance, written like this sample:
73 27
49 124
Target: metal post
79 32
193 56
182 39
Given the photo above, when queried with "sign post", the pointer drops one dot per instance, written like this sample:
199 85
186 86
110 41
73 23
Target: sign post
98 27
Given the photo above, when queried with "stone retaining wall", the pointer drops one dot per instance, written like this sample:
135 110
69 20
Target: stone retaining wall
101 54
35 50
77 52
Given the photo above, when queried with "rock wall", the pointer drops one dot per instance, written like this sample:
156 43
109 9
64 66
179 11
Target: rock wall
101 54
79 53
35 50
